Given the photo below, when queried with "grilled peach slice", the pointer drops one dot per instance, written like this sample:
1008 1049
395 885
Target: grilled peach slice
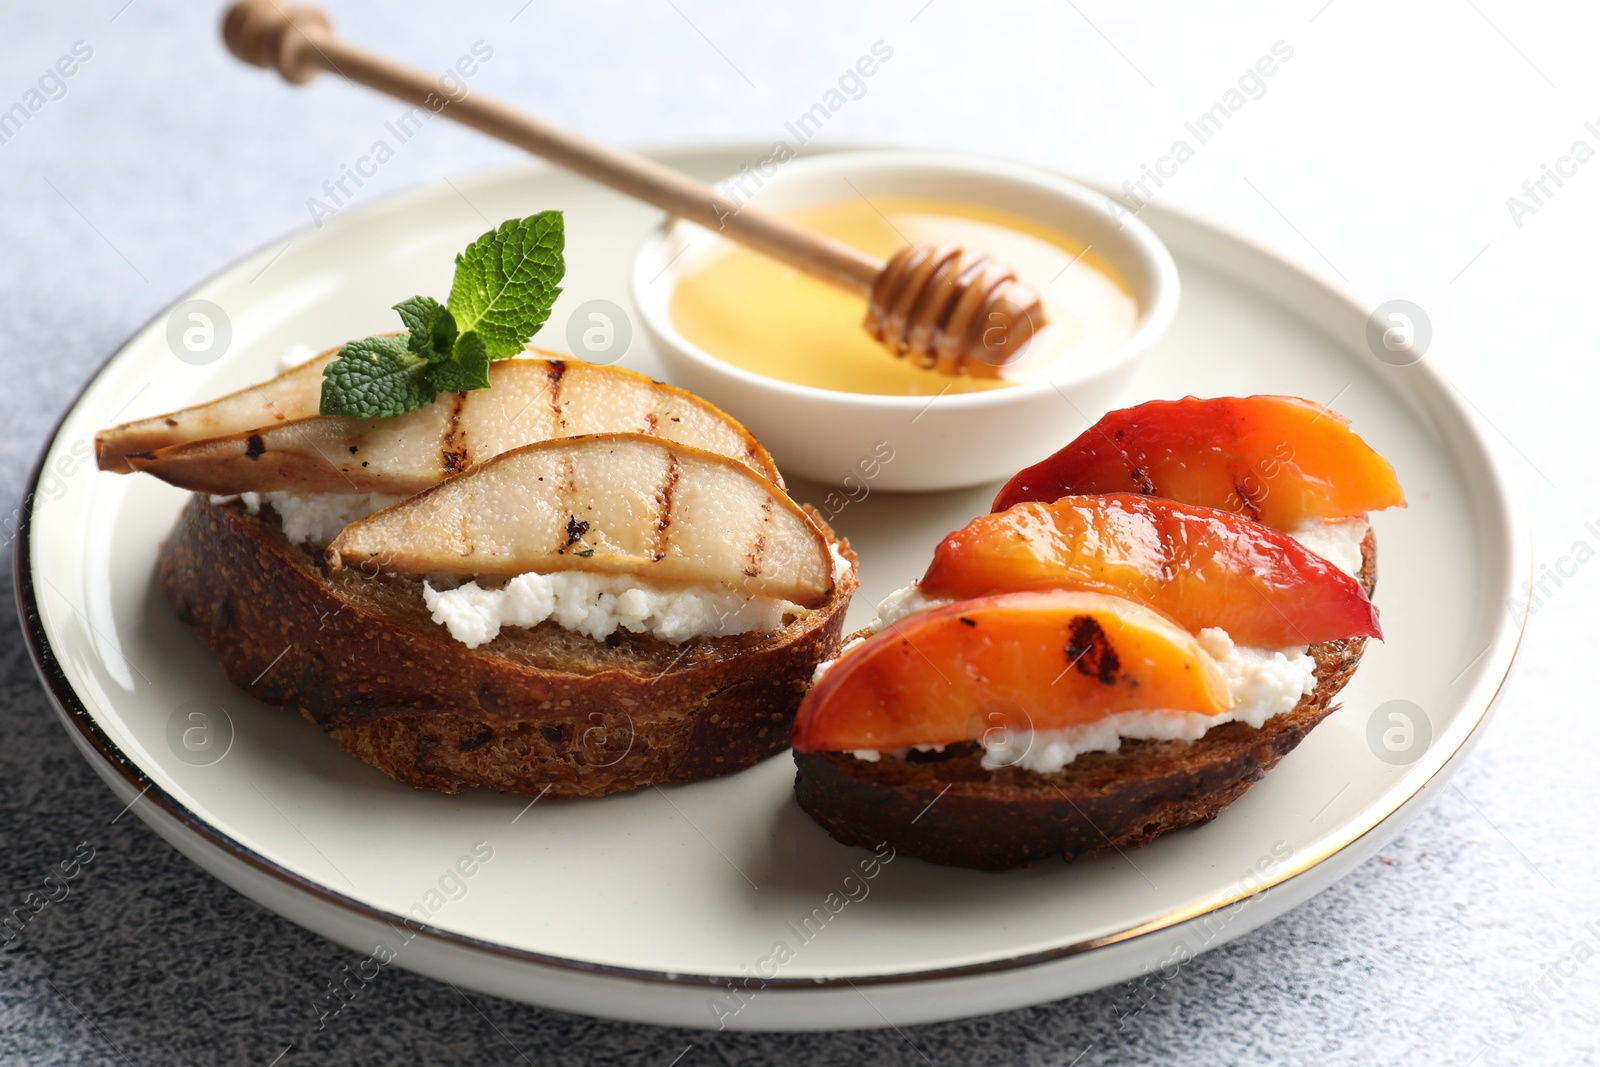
1278 459
615 503
1037 660
529 400
1199 566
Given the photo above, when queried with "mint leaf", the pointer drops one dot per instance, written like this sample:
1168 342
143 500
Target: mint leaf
376 378
506 281
469 369
432 327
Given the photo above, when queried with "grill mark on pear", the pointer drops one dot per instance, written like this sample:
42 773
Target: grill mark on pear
556 370
752 566
566 479
661 539
454 455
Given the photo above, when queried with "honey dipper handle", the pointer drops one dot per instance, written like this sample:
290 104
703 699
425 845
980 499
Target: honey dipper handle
299 42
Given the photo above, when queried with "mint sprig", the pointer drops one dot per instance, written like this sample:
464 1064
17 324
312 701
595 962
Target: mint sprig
504 285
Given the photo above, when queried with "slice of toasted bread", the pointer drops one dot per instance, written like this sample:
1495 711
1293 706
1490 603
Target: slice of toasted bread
945 808
535 710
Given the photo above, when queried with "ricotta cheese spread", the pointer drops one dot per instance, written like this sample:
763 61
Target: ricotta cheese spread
894 607
597 605
317 518
841 565
313 518
1338 542
900 603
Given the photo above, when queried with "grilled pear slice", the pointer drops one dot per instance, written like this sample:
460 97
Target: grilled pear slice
294 394
614 503
528 400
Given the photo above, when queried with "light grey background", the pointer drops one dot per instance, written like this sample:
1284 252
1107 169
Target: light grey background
1382 154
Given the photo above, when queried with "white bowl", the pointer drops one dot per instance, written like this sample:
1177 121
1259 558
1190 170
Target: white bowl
942 442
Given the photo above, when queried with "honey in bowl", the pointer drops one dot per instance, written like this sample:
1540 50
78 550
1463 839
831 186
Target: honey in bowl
762 316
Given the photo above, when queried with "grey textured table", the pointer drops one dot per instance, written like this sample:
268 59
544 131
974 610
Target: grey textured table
1393 141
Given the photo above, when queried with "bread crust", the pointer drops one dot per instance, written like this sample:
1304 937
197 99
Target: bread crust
945 808
539 711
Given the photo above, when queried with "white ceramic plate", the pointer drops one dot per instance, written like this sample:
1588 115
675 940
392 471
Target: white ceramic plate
648 906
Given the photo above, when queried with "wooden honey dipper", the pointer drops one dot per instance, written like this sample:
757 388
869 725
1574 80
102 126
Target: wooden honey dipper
945 308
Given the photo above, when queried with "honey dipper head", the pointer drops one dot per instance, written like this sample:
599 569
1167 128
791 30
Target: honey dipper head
952 311
268 34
